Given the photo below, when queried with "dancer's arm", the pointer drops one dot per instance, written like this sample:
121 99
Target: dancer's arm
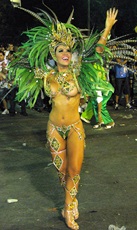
110 21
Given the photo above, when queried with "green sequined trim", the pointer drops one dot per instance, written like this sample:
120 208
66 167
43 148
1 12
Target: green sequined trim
73 192
76 179
62 179
58 162
54 144
63 131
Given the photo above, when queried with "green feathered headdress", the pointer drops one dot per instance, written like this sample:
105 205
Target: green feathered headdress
32 59
34 55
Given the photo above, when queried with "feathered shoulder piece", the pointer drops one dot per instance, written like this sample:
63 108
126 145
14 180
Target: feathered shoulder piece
125 48
89 78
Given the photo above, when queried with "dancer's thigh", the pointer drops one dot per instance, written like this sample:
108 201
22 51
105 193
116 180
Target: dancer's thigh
75 148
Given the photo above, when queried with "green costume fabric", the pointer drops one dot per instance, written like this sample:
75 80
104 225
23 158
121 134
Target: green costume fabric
89 112
92 107
106 118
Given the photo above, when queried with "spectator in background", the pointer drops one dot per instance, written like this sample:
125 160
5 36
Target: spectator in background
10 56
10 47
12 103
13 92
132 77
3 81
3 62
121 83
3 91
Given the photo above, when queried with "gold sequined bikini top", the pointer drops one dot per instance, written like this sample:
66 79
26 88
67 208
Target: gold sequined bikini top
64 83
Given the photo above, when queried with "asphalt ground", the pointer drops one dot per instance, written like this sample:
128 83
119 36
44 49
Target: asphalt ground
30 194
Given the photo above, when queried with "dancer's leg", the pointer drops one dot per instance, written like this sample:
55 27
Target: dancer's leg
74 156
104 112
58 152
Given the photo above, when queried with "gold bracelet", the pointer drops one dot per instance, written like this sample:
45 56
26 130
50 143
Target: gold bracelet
104 38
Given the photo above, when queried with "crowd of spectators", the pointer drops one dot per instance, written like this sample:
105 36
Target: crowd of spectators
8 103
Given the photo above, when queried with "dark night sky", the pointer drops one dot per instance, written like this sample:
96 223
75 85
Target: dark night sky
19 21
127 17
62 9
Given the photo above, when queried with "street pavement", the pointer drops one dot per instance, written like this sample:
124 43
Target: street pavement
30 194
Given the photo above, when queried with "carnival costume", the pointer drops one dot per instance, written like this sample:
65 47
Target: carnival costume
32 71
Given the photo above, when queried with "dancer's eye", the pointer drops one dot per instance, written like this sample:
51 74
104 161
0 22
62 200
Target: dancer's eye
60 51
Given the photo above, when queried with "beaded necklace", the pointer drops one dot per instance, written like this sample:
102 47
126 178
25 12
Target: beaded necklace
61 77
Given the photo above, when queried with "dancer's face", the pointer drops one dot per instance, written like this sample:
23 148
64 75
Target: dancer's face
63 55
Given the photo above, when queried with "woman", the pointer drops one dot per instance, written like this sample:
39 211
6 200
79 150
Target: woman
65 131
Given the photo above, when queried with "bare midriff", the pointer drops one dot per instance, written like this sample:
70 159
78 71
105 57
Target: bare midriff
64 110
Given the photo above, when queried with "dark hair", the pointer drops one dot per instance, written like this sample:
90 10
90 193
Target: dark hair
1 51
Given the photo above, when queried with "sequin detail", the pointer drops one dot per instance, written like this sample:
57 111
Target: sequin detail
54 144
58 162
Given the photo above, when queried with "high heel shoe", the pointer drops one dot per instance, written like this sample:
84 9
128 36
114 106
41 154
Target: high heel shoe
98 125
69 219
75 209
110 125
